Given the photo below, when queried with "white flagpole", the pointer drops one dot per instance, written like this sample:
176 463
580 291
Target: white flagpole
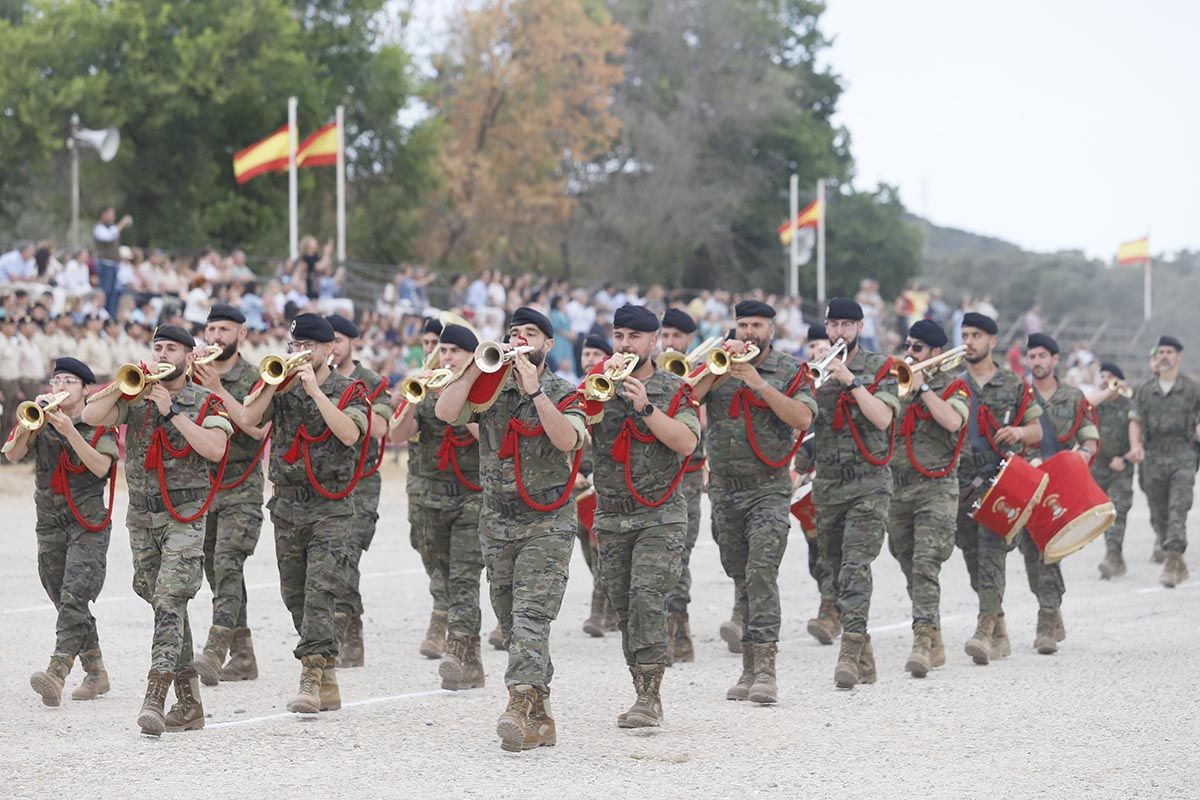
341 184
821 244
794 245
293 196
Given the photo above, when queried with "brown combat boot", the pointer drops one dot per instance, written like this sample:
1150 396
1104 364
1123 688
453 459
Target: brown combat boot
611 621
920 660
1046 639
513 726
827 625
979 646
731 630
1174 572
681 645
764 689
95 679
151 718
542 731
242 665
866 662
461 667
188 713
1001 645
1158 555
741 689
49 684
308 699
354 655
496 639
646 711
845 675
937 650
434 645
341 631
208 663
1113 565
331 693
594 625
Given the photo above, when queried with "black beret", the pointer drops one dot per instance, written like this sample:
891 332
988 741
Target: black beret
817 333
432 325
843 308
1170 341
174 333
224 311
529 316
637 318
597 342
75 367
460 336
1042 340
343 326
311 328
1112 369
753 308
929 332
679 320
973 319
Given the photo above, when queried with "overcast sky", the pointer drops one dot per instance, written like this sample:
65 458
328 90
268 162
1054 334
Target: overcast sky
1055 124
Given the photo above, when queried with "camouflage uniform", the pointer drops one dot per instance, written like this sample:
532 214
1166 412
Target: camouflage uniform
312 532
692 487
750 500
527 552
449 516
419 516
850 494
641 547
983 551
71 559
234 521
1113 414
168 555
922 510
1169 436
365 498
591 555
806 460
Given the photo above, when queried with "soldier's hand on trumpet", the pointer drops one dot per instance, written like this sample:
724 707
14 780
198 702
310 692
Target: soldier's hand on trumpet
838 371
161 398
634 391
308 378
526 372
61 422
206 376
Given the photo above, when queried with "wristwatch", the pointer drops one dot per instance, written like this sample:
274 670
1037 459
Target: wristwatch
171 413
924 388
536 394
647 410
855 384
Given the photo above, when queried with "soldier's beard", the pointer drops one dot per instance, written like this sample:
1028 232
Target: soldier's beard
229 352
175 374
536 357
978 358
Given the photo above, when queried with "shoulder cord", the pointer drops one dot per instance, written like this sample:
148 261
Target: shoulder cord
918 413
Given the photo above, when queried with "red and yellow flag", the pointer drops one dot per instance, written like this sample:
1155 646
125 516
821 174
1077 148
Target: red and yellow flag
319 149
1134 253
267 155
808 217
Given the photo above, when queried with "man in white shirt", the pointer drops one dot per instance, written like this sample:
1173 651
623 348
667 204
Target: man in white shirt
10 373
107 235
33 361
16 266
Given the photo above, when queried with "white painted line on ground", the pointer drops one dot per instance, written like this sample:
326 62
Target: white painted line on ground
370 701
1152 589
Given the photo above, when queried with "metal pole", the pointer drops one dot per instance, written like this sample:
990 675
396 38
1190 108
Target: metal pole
341 184
794 244
821 243
73 146
293 197
1146 293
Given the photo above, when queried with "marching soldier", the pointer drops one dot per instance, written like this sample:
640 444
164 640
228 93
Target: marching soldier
1113 470
527 520
174 429
826 625
643 443
317 429
853 443
602 618
347 618
72 463
924 503
450 499
1163 430
1003 418
756 409
234 520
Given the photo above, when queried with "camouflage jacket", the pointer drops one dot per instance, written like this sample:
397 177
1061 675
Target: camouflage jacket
1113 414
239 381
842 470
333 463
381 407
1002 396
1060 412
1168 420
932 445
429 484
87 491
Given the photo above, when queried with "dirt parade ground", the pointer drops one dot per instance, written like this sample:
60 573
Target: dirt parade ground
1115 713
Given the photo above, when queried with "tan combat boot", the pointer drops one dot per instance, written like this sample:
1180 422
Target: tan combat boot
208 663
513 726
308 699
434 645
49 684
341 631
741 689
188 713
457 670
682 648
542 731
355 653
764 689
95 679
151 718
1046 639
594 625
920 660
496 639
1158 555
242 665
866 661
827 625
646 711
473 675
1174 572
731 630
979 646
611 621
937 650
845 675
331 693
1001 645
1113 565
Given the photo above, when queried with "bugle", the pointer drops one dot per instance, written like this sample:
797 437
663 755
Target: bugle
491 356
602 386
131 379
416 389
32 415
680 364
819 370
214 352
944 362
1120 387
274 370
719 359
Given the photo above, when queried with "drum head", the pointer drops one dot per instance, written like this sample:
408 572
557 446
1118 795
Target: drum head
1079 532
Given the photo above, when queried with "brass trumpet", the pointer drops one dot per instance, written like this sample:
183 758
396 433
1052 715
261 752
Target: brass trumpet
819 370
274 369
903 370
491 356
214 350
417 389
32 415
681 365
719 359
1120 387
602 386
131 380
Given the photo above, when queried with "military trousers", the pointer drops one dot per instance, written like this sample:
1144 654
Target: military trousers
751 527
1169 487
362 533
452 534
921 520
526 580
1119 488
640 566
1045 580
71 565
850 535
983 552
680 596
231 530
436 564
168 567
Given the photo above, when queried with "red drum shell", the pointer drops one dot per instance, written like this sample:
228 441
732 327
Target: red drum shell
1009 501
1073 510
585 509
804 510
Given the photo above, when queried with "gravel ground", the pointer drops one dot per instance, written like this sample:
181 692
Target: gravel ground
1115 713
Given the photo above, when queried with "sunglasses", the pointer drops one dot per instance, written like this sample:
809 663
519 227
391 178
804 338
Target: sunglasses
916 347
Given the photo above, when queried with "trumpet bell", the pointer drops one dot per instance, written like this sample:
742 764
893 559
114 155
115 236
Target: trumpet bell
31 416
675 363
272 370
130 380
599 387
489 357
718 361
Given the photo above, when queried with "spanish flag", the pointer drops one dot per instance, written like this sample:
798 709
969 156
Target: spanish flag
1133 253
267 155
807 218
319 149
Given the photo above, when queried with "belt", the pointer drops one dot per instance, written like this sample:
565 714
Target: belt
296 492
512 507
155 503
623 505
846 472
447 488
738 483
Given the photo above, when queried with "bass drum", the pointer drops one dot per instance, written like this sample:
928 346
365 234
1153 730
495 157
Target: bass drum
1073 510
